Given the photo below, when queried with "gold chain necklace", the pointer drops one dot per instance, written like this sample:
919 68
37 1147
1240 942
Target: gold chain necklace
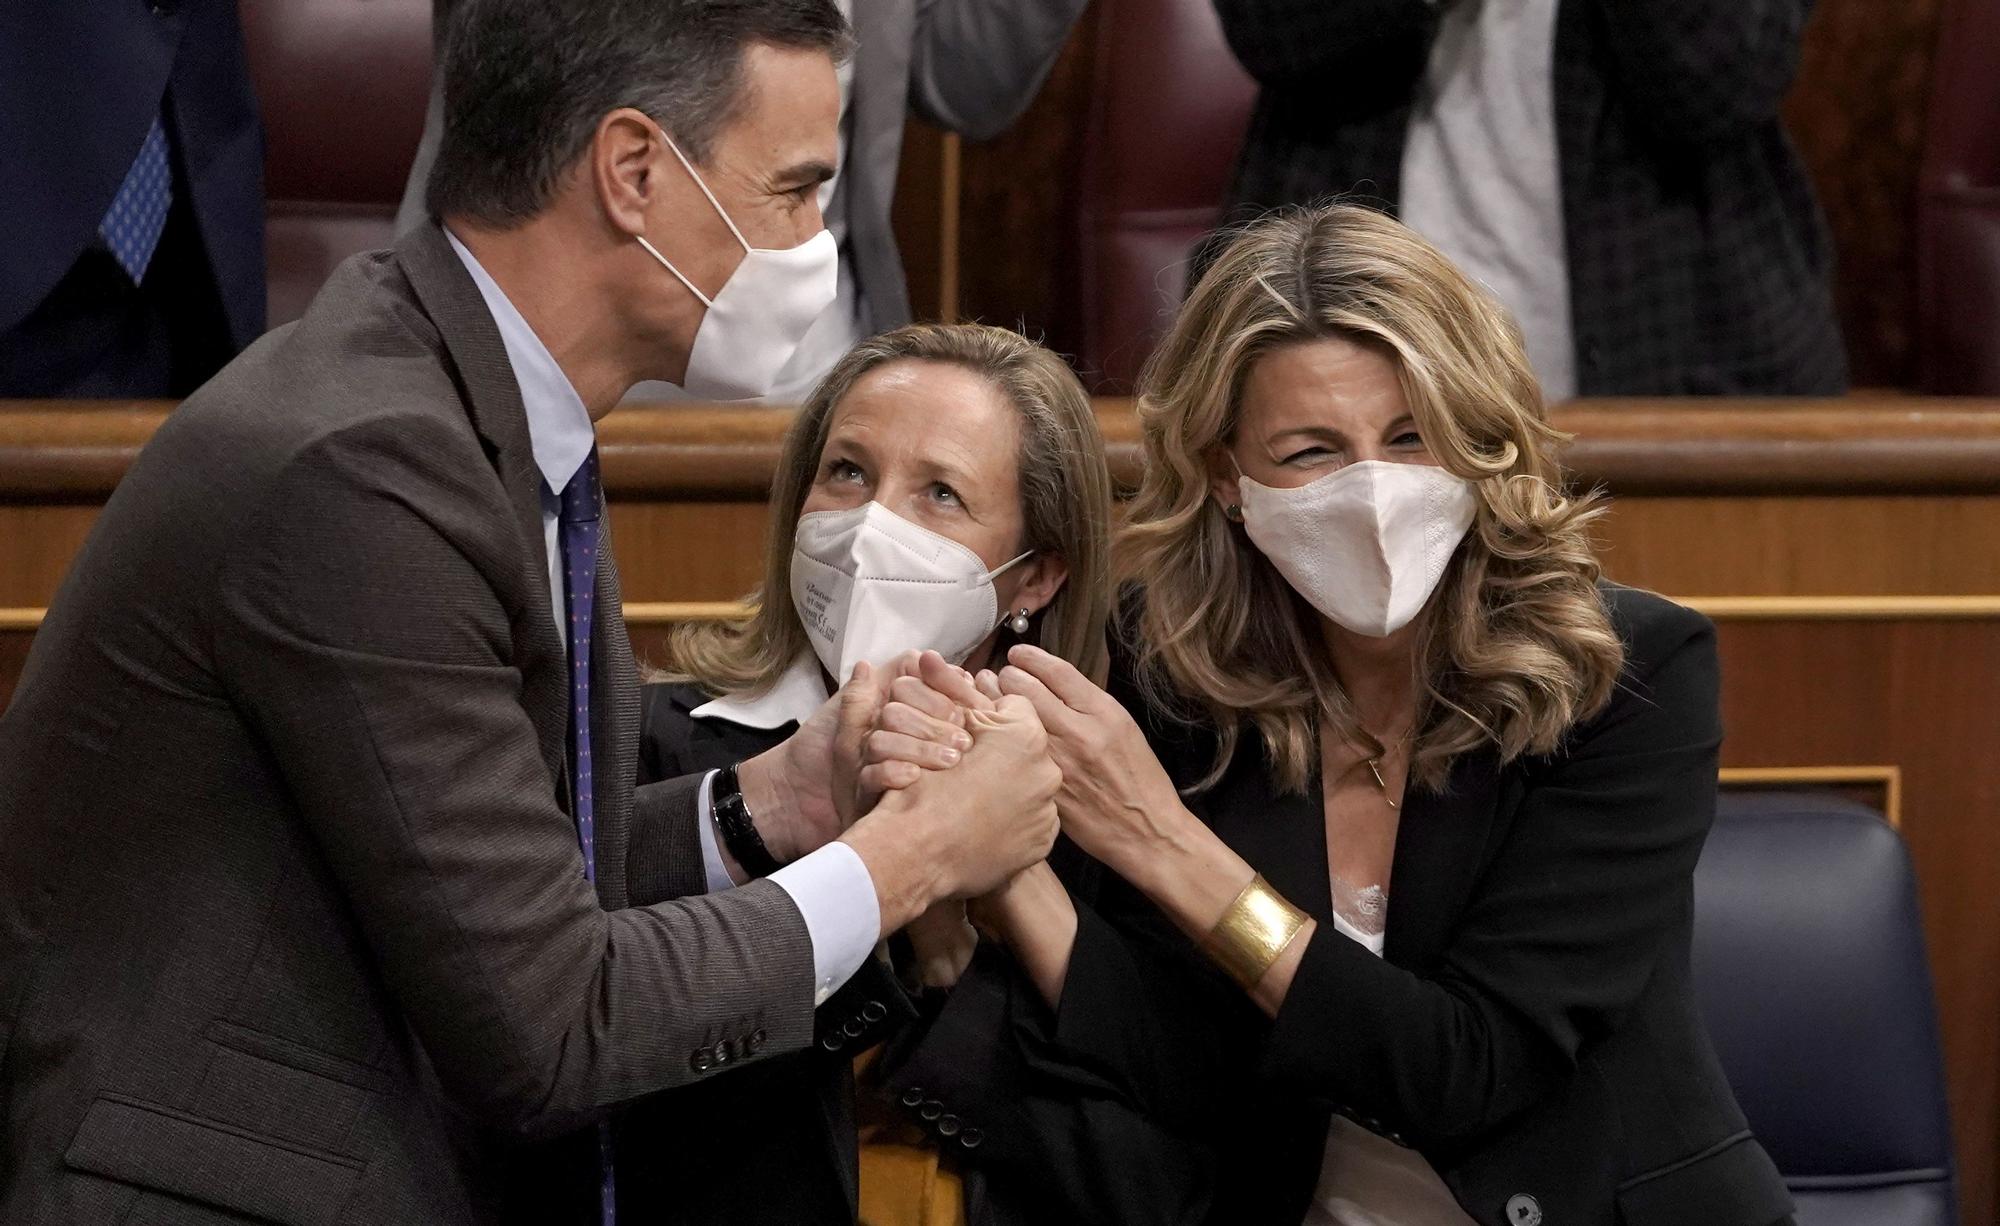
1374 763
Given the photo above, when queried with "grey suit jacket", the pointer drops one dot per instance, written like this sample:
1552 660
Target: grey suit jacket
968 66
293 920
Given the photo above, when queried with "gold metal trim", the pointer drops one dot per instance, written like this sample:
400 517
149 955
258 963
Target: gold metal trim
673 612
1844 608
1722 608
1889 778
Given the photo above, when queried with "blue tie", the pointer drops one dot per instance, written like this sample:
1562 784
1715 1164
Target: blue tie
579 529
138 214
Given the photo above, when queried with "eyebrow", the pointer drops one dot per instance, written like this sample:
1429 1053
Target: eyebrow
950 473
844 442
1402 420
801 173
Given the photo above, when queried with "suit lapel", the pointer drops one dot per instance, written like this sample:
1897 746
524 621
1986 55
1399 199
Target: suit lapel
485 378
1281 834
1439 844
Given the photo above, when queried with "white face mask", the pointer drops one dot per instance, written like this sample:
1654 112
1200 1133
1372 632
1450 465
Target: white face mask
1365 545
757 319
870 585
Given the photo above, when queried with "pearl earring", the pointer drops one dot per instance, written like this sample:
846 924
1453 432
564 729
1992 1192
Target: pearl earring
1018 623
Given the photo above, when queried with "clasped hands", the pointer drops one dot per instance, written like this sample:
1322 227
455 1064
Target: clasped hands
990 763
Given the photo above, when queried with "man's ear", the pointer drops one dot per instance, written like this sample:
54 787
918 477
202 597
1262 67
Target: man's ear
1222 477
1042 577
623 159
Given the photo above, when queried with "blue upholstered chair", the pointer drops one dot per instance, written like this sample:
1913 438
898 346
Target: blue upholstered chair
1809 963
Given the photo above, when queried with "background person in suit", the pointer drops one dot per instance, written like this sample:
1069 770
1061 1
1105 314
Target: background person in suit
324 884
968 66
1401 806
954 433
132 200
1614 171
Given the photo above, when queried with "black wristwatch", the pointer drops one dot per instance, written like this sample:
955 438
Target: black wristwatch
739 833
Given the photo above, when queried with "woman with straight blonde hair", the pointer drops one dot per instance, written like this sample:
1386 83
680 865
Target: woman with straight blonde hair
1400 801
943 490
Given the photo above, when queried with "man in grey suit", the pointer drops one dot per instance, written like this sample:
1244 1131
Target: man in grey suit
325 892
968 66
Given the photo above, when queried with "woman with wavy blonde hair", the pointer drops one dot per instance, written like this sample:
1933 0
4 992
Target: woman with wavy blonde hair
1400 801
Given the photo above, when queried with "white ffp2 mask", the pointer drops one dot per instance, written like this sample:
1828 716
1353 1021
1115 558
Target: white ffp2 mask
870 585
756 320
1365 545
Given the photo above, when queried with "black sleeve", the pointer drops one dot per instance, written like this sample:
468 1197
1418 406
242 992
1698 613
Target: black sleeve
872 1004
1562 935
1703 70
1055 1134
1329 45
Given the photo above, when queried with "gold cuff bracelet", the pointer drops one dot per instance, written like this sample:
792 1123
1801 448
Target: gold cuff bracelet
1253 932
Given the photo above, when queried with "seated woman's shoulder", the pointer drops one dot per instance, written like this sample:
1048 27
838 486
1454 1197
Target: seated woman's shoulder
666 705
1651 626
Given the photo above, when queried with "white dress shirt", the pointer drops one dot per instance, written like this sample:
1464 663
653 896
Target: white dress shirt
798 692
1482 177
831 886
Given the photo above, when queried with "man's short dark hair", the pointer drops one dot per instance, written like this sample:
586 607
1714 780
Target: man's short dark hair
526 82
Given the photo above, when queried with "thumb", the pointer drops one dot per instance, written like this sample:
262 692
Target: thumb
860 703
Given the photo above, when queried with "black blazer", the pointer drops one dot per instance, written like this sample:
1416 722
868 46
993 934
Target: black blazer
1699 263
774 1142
1531 1028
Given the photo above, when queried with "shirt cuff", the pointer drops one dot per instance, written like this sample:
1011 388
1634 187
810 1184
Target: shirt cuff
711 851
836 897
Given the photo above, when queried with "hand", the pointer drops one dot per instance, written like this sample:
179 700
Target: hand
921 727
962 832
800 792
1117 802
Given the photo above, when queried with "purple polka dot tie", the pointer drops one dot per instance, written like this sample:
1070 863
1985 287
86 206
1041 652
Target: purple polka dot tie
578 528
138 213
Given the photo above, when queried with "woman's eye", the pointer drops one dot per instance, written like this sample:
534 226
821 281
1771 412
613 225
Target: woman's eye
1309 455
1408 438
945 494
843 470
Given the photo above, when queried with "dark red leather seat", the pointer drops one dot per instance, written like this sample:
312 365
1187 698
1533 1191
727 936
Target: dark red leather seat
342 85
1958 210
1168 108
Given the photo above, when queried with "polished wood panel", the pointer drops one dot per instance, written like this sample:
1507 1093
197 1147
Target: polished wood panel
1015 191
1857 112
924 216
36 545
1805 545
75 451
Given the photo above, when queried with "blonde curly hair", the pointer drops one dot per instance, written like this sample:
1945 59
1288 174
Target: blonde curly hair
1516 645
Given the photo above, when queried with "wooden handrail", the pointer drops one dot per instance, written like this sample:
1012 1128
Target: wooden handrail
76 451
